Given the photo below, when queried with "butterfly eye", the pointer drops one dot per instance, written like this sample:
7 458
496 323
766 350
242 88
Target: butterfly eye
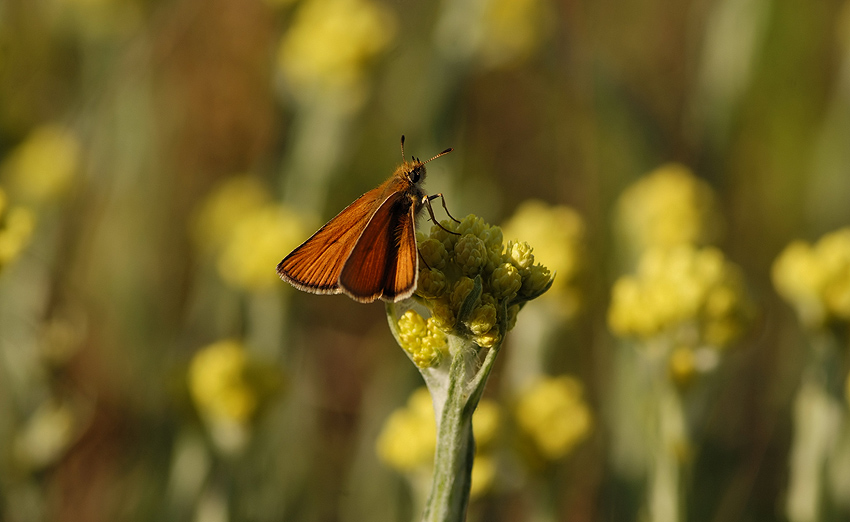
416 175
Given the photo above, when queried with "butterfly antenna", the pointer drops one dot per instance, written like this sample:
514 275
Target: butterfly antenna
441 154
402 148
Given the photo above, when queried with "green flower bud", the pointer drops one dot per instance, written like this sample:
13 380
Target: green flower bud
443 315
492 238
471 224
536 280
470 254
505 281
434 253
432 283
482 319
439 232
460 292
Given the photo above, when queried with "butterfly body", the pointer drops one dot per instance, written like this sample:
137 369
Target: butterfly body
367 251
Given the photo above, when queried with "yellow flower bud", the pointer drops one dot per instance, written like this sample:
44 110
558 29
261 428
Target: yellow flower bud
421 339
519 255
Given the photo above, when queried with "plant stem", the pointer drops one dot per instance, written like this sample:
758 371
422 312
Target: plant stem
455 449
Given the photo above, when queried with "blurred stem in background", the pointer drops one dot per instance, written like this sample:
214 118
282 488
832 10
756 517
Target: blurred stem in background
815 280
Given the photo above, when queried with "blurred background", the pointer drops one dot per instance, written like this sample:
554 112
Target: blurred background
159 157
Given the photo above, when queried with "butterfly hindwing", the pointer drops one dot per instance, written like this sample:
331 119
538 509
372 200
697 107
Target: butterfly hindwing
384 262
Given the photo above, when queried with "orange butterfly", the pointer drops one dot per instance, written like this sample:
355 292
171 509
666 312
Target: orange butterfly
368 251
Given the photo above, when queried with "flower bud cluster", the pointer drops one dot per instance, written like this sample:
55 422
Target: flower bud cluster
421 339
472 282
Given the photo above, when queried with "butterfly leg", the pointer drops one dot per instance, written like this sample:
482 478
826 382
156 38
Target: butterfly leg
443 200
427 202
423 259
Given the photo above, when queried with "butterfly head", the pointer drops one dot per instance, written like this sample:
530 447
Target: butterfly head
413 171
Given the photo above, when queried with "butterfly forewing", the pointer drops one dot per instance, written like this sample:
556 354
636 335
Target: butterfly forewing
315 266
384 261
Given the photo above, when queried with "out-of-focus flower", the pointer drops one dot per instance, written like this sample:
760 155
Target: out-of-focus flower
258 243
227 387
695 296
668 207
45 436
553 414
247 233
507 277
815 279
557 233
42 168
496 32
512 30
218 381
327 49
16 227
216 218
409 437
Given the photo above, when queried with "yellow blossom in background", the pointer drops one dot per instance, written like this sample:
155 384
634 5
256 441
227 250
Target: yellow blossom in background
693 295
668 207
227 387
496 33
408 440
483 475
16 228
330 44
42 168
815 279
558 234
258 242
219 384
512 30
217 216
553 414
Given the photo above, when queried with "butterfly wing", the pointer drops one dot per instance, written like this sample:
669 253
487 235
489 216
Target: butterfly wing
384 262
315 266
